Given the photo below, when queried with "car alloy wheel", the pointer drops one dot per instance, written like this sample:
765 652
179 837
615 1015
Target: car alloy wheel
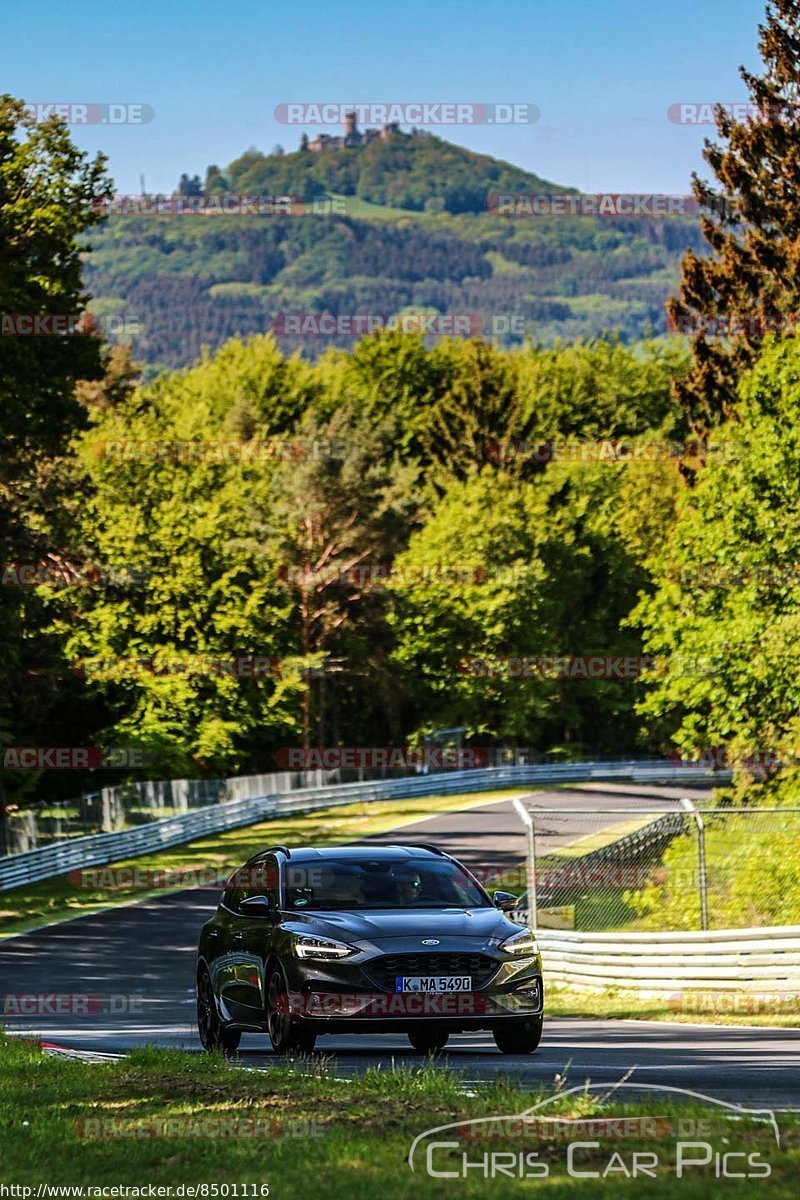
284 1035
213 1034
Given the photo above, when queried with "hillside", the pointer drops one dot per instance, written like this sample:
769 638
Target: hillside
376 246
413 171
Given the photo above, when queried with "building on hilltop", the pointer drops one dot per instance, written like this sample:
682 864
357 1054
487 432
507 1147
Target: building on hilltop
351 136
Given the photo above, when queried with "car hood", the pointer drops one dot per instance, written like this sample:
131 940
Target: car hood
451 927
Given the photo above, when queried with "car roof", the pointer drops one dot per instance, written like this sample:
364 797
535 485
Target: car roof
320 853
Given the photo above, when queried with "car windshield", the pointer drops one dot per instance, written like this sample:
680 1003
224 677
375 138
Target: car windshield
370 883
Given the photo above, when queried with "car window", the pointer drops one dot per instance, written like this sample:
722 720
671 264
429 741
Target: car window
386 883
258 879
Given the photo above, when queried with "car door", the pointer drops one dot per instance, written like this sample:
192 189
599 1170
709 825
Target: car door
251 934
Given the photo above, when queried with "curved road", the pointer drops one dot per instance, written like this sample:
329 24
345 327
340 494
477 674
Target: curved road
124 978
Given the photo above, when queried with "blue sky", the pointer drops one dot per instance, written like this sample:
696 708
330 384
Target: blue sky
602 72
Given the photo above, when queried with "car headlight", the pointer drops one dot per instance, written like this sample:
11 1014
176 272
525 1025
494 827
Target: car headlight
321 948
523 942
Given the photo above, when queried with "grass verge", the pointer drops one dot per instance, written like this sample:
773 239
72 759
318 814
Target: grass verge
157 1118
697 1008
66 896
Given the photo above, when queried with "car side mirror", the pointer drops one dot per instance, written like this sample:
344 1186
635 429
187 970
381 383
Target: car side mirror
505 901
256 906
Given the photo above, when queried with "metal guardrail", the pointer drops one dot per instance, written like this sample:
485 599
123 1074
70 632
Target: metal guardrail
138 802
100 849
762 961
562 870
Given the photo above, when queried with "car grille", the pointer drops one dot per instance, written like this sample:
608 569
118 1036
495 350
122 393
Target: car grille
383 971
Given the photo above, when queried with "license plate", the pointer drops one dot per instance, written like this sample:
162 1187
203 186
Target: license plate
433 983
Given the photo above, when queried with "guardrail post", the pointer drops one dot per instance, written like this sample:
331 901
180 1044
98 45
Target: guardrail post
701 854
527 820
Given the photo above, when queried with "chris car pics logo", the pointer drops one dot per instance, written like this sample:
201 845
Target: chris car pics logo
728 1141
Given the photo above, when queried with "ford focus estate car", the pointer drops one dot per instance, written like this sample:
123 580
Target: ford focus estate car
365 939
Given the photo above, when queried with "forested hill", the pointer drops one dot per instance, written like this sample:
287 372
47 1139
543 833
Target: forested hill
414 171
367 241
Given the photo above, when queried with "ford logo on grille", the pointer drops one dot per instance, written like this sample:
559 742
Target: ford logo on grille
430 941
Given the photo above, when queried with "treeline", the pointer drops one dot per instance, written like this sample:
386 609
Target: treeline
193 281
248 509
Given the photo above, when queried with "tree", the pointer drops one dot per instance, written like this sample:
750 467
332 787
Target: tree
336 519
50 195
215 181
749 285
190 187
521 570
175 476
726 616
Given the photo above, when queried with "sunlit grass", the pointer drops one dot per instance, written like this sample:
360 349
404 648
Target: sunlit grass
343 1138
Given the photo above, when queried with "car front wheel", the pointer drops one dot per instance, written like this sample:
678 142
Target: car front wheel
518 1037
213 1034
428 1041
284 1034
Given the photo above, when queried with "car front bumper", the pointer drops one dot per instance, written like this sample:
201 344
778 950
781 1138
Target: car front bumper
340 1000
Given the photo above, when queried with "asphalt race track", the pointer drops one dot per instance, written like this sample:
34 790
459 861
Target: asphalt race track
125 978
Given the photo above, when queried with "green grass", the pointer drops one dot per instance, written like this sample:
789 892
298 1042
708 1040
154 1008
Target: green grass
336 1138
600 839
620 1004
354 206
60 898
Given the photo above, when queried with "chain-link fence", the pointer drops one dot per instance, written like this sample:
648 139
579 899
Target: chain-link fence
669 868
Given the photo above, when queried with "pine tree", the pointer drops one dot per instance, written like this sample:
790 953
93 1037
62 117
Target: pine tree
749 285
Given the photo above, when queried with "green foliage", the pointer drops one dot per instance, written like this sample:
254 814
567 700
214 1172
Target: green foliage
415 171
48 194
554 579
752 877
746 288
715 604
181 522
380 458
